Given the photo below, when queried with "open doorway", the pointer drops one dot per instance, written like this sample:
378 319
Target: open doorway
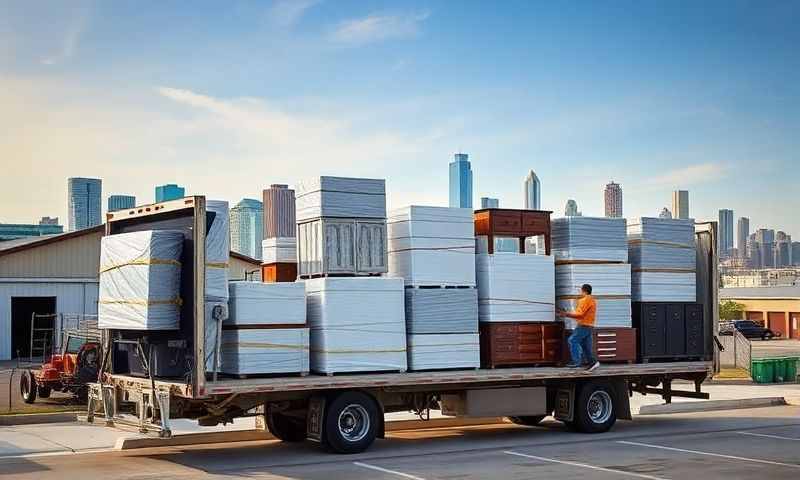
22 310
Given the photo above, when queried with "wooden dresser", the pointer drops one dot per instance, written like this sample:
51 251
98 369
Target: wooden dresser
520 343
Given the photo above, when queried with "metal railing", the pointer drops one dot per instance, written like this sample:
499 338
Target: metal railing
737 351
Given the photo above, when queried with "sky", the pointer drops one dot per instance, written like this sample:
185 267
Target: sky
226 98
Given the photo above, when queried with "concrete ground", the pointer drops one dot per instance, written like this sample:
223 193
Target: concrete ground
775 348
754 443
11 401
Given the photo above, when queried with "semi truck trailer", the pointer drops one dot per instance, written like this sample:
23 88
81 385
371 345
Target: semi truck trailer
345 413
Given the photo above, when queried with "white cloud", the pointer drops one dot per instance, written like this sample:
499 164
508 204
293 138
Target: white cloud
376 27
286 13
690 175
69 42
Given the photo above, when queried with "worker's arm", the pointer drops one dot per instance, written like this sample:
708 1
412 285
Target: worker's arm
580 310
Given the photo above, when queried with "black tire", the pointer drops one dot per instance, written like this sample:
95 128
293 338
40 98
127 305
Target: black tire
27 387
595 409
286 428
352 420
528 421
44 392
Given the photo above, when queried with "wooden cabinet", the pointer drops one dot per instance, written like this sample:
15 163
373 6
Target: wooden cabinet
614 344
520 343
278 272
670 330
513 223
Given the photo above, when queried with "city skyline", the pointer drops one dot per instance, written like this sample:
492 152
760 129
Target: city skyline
113 94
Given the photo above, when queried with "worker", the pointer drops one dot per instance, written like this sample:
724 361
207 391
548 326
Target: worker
580 342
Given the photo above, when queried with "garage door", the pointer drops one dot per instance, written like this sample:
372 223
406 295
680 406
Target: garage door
794 324
756 316
777 323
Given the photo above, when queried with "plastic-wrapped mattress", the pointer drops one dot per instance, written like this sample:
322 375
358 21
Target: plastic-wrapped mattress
445 351
515 287
257 303
441 310
279 250
589 238
340 197
265 351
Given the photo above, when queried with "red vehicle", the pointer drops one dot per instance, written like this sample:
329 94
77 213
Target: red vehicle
69 371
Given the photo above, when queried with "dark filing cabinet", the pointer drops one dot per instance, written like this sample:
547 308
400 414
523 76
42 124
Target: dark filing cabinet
669 330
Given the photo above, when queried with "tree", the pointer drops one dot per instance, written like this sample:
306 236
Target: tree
730 310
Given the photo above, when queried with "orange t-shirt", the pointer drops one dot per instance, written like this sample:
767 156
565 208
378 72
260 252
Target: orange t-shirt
585 311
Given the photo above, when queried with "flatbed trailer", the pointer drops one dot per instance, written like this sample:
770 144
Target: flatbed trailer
345 413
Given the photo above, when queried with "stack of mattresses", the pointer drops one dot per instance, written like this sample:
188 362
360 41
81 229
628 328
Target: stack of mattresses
357 324
433 250
266 331
516 309
594 251
341 227
140 277
218 249
663 260
279 257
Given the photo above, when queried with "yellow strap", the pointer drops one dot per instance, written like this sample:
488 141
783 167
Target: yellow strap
665 270
136 301
141 261
216 265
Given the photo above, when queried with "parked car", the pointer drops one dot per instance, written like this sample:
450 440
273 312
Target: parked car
751 329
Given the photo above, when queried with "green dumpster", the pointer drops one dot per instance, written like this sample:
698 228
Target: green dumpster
762 370
779 369
791 369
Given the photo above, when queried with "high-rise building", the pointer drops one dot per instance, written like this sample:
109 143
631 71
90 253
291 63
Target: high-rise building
11 231
279 211
665 213
571 209
680 204
489 202
121 202
533 192
613 200
725 231
84 209
795 253
461 181
170 191
247 227
742 233
48 221
783 250
764 242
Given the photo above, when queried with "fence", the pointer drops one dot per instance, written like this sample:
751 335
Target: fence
737 351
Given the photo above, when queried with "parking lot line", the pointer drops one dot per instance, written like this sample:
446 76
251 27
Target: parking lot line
710 454
584 465
386 470
777 437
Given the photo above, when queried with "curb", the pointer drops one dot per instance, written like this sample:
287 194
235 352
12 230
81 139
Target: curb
33 418
711 405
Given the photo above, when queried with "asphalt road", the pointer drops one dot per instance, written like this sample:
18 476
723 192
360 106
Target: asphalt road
775 348
754 443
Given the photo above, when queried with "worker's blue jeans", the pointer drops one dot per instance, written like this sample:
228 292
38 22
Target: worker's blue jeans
580 345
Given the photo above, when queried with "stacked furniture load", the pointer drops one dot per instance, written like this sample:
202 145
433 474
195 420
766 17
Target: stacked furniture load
433 250
266 331
356 316
279 257
218 249
595 251
516 291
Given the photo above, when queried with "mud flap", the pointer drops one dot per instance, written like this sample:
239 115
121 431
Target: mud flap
315 418
565 403
622 401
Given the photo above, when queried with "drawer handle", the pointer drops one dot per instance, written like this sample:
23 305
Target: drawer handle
606 334
606 349
607 342
608 356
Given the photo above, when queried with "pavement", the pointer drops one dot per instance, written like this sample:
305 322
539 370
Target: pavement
11 401
736 444
775 348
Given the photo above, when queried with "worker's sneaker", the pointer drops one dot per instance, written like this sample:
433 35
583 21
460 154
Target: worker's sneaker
572 365
592 366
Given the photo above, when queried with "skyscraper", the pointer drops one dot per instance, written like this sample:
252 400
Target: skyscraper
680 204
783 249
461 181
665 213
765 245
170 191
795 253
613 200
279 211
121 202
247 227
742 233
725 231
84 202
571 209
48 221
489 202
533 192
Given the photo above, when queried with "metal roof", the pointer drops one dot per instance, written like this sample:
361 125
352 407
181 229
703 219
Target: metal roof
11 246
790 292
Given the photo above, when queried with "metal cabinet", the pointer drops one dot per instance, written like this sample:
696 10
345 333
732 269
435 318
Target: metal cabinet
669 330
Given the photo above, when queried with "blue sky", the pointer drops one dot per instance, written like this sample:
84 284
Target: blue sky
228 97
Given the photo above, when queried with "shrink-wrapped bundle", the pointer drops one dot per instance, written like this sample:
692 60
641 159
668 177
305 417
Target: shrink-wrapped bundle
441 310
595 239
515 287
265 351
664 287
443 351
279 250
605 279
340 197
140 277
218 250
257 303
357 324
663 260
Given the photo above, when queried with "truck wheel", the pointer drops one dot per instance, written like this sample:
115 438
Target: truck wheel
286 428
351 422
595 411
27 387
44 392
529 421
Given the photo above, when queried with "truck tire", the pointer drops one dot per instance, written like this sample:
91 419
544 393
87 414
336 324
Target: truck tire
595 411
351 422
27 387
529 421
44 392
286 428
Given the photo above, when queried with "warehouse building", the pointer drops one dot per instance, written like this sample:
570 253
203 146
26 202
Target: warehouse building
778 308
58 274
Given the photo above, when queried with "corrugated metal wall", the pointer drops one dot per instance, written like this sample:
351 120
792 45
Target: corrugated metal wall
77 257
238 267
